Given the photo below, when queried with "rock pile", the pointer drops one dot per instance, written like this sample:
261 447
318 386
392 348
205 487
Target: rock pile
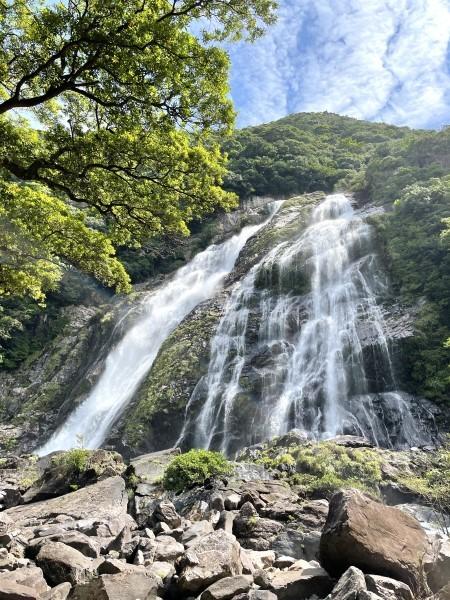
124 538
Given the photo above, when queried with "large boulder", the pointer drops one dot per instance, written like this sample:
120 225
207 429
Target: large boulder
375 538
211 558
62 471
27 577
100 509
253 531
62 563
121 586
16 591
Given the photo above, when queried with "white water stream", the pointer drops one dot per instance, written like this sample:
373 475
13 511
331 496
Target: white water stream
131 359
312 374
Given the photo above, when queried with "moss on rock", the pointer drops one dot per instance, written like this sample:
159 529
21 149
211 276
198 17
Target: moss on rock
155 418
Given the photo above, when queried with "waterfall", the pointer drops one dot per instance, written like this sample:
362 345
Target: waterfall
314 304
131 359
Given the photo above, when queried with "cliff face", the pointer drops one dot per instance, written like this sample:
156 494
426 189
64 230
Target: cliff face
237 353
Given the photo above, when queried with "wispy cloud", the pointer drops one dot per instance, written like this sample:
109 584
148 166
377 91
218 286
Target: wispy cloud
384 60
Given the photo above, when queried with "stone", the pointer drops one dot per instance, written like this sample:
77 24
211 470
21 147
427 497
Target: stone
438 569
57 477
226 521
209 559
226 588
167 549
444 593
261 595
261 559
111 566
75 539
15 591
253 532
98 509
232 501
262 578
216 502
161 527
289 542
165 512
247 563
283 562
164 570
60 592
349 586
375 538
150 467
10 496
300 584
121 586
29 577
196 531
62 563
387 588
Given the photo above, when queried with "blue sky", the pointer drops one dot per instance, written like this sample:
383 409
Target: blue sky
383 60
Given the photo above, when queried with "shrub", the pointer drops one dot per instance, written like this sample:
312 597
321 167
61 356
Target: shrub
193 467
327 467
73 461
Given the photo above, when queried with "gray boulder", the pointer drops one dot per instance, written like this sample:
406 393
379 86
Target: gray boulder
301 584
121 586
165 512
387 588
28 577
349 586
167 549
62 563
211 558
226 588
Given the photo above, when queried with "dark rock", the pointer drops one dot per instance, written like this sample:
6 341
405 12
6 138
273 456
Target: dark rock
376 538
75 539
226 588
165 512
196 531
10 496
62 563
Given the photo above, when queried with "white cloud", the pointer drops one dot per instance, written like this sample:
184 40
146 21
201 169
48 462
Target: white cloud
382 60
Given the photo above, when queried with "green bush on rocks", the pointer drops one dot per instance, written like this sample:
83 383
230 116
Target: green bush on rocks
193 467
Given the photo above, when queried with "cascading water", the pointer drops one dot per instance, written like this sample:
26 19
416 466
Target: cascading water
314 301
128 363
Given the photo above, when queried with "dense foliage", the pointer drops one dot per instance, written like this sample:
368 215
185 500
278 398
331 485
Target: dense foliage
302 153
193 467
109 117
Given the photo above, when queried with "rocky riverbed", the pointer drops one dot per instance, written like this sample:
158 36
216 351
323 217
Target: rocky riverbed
85 525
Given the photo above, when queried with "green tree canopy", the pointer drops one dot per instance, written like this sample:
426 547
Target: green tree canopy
125 105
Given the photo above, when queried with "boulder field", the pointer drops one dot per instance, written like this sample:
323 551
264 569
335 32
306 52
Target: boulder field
114 533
